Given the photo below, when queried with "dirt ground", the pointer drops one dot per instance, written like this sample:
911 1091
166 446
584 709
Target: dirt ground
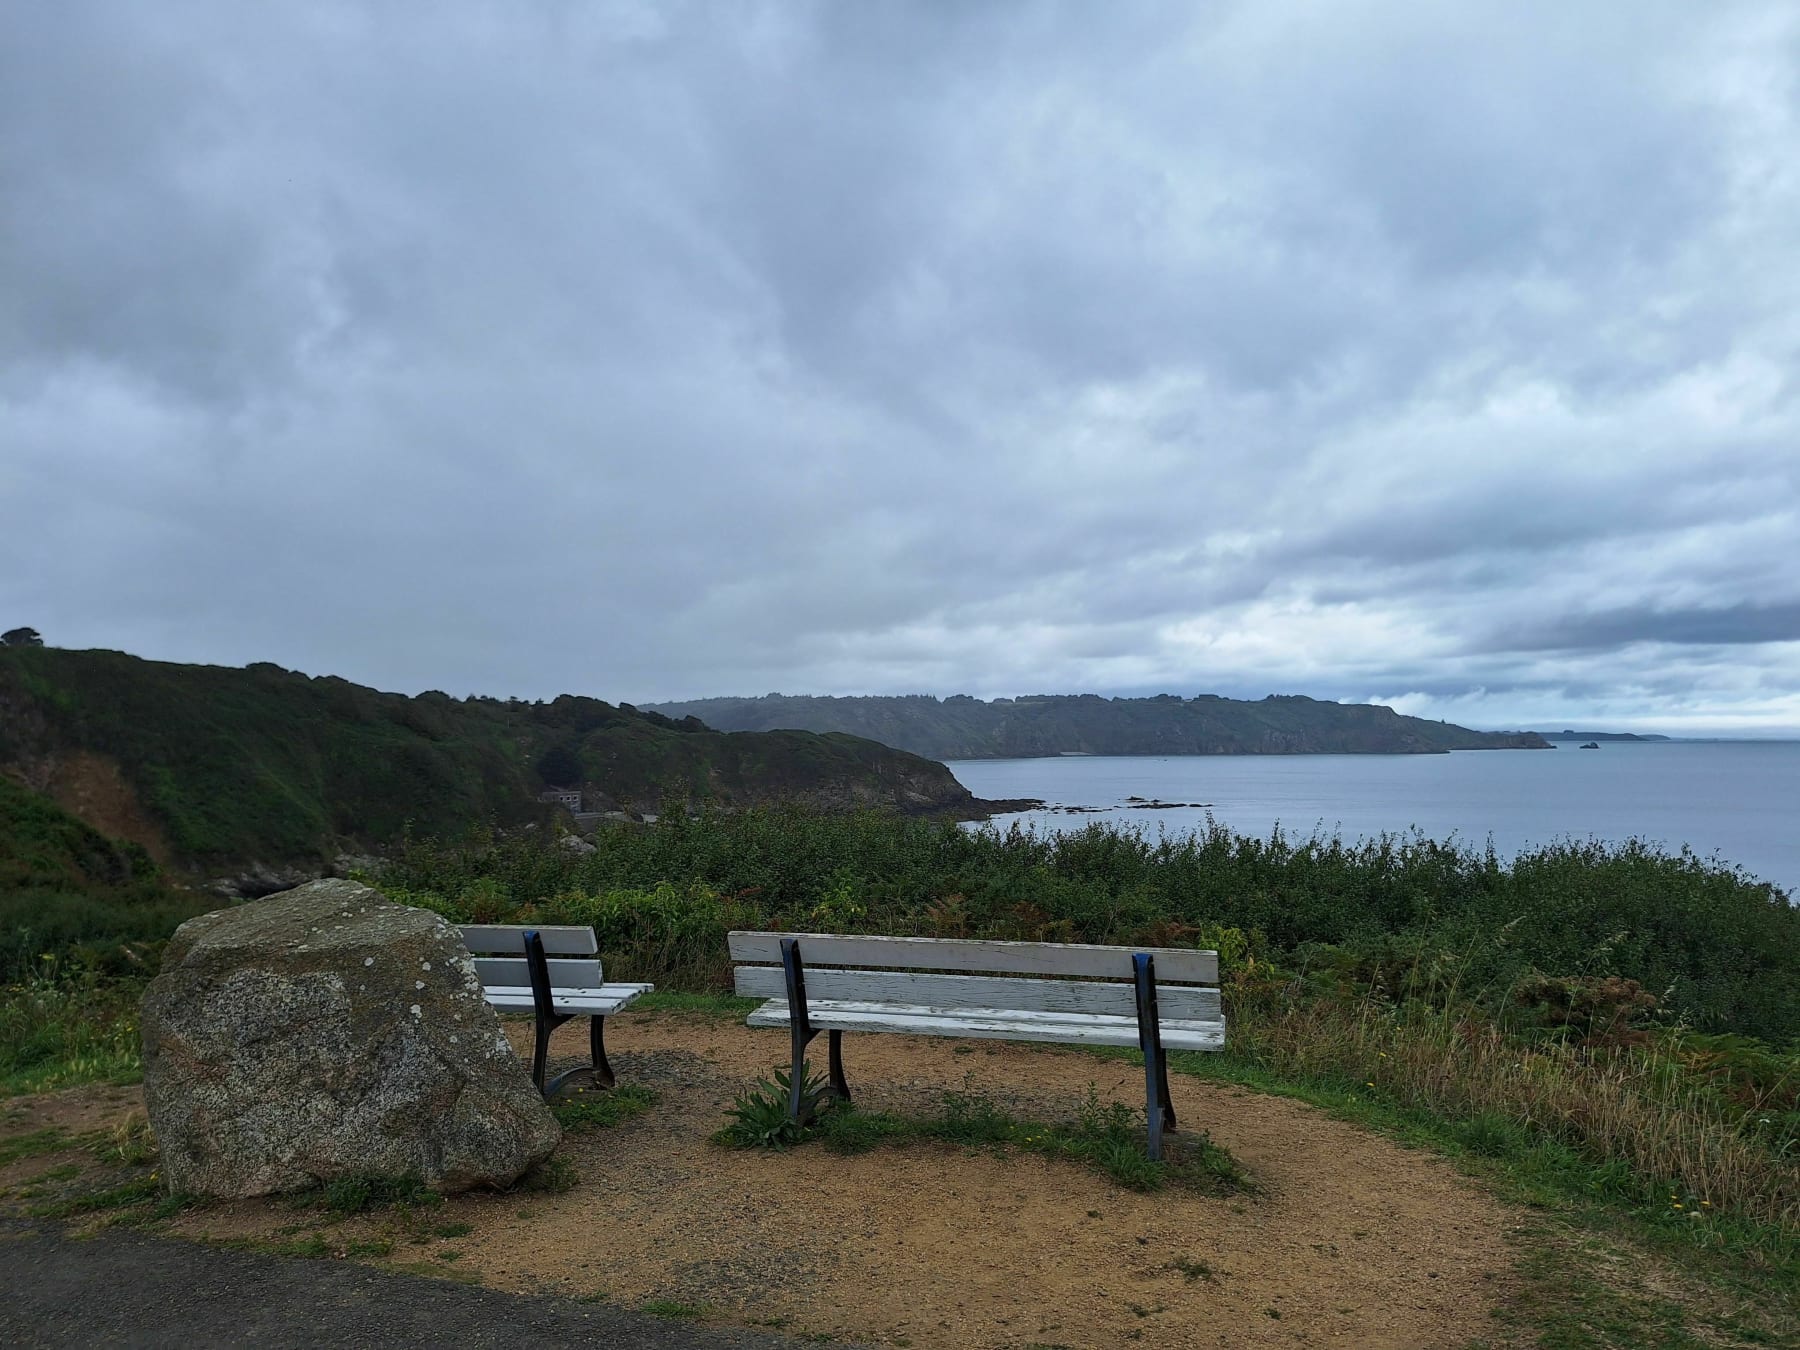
1352 1240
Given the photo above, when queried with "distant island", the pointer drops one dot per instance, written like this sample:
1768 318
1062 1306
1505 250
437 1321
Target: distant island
1599 736
961 727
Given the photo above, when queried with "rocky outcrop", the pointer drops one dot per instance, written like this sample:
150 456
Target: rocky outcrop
327 1032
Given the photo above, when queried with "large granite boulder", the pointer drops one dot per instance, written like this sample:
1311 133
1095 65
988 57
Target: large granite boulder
328 1032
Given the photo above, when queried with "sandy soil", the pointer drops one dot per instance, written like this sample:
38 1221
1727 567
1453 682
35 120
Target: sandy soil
1353 1241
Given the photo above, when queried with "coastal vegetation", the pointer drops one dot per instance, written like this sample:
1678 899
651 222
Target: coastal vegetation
1055 724
208 767
1609 1034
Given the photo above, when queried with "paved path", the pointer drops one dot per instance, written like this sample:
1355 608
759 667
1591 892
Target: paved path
124 1288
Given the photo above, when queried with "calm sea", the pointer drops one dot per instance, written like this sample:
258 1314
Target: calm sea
1736 800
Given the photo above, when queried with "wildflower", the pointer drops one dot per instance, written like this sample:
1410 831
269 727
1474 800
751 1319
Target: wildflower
1707 1203
1678 1204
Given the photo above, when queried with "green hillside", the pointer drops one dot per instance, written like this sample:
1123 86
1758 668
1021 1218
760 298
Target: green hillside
69 892
226 765
1056 724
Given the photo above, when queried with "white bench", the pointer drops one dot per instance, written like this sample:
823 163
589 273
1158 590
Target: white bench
553 973
1156 999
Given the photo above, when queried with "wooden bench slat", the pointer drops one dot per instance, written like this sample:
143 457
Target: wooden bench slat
993 1024
1182 965
977 991
509 939
606 999
564 974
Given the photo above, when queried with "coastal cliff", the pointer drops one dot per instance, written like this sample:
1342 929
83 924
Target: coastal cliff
970 728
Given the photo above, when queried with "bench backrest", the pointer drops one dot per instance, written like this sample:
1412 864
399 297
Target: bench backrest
1027 976
571 955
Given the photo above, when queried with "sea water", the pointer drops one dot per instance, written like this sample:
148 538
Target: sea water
1736 801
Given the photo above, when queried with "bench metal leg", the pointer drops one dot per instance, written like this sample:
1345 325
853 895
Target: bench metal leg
603 1074
800 1032
1162 1073
1159 1112
540 1050
839 1088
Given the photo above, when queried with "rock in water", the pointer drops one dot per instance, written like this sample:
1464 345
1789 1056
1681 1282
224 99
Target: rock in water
328 1032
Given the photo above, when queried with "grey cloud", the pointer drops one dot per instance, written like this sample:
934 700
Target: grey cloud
667 350
1734 625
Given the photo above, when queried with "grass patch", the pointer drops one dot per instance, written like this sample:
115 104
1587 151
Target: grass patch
1108 1137
368 1191
137 1191
32 1145
716 1005
129 1143
1191 1270
554 1176
673 1308
584 1112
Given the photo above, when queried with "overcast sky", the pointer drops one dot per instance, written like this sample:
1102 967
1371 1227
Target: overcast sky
1442 355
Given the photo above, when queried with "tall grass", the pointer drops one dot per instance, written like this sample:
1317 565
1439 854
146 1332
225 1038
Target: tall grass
1655 1130
58 1029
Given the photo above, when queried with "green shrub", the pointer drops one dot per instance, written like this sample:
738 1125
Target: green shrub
1405 914
759 1117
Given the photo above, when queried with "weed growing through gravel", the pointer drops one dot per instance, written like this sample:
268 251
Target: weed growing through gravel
585 1111
668 1307
553 1176
1190 1269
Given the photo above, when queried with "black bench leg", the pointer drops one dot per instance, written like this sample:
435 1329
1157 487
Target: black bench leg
1159 1114
1168 1102
603 1074
800 1030
800 1035
839 1087
540 1050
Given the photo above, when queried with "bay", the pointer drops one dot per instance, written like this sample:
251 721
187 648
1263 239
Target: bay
1735 801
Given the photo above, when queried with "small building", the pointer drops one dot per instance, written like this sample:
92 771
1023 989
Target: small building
568 798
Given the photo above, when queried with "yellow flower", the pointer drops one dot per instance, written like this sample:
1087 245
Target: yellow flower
1678 1204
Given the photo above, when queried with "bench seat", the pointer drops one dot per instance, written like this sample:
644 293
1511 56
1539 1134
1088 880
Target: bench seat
602 1002
1005 1024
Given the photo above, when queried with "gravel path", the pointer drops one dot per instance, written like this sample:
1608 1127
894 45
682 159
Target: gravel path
123 1288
